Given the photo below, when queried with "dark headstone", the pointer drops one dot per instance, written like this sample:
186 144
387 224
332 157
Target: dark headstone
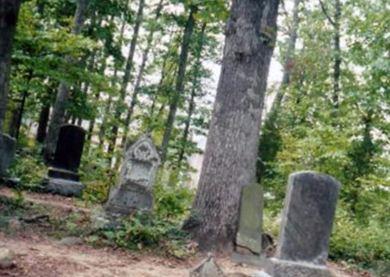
134 189
7 152
307 220
69 148
62 176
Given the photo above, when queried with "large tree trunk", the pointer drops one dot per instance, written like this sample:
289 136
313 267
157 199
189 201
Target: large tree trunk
138 80
126 76
194 90
9 10
58 114
230 157
180 81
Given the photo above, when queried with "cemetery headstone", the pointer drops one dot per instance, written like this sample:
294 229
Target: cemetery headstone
63 178
7 152
306 226
134 189
250 219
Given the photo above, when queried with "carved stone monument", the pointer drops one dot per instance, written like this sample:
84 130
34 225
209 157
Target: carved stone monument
306 226
63 178
7 152
134 189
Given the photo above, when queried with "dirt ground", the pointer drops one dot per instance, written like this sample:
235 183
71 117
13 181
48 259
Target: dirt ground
38 255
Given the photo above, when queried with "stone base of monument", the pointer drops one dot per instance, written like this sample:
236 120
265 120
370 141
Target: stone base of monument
249 259
128 198
7 152
283 268
59 173
63 182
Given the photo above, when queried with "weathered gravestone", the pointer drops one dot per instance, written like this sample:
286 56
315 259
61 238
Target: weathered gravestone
134 189
63 178
7 152
306 226
250 219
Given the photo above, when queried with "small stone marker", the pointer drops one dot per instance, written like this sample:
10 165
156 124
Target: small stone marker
134 190
307 220
250 219
7 152
6 258
207 268
62 176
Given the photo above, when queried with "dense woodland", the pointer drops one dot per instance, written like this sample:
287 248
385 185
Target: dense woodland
124 68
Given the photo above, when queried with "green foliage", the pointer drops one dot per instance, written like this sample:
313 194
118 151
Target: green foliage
172 201
367 246
28 166
97 175
148 231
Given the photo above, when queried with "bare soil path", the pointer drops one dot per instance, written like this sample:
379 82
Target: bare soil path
38 255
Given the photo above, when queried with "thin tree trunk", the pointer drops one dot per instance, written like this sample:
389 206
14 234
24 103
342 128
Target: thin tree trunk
42 123
231 152
288 60
140 75
337 55
180 81
109 101
63 90
191 106
9 10
127 75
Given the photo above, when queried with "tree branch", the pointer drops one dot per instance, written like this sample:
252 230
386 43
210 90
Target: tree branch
326 13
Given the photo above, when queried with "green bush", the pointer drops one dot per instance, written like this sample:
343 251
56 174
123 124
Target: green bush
97 175
28 166
366 245
148 231
173 201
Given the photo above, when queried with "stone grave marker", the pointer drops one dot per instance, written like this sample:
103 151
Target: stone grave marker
134 189
63 178
306 226
7 152
250 219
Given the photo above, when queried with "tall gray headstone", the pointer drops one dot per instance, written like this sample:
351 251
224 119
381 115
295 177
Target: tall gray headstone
250 219
7 152
134 189
306 226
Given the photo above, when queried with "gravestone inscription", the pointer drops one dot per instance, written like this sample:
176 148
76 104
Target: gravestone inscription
306 226
134 189
63 175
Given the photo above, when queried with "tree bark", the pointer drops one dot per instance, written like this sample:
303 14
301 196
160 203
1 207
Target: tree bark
9 11
42 123
137 85
59 107
288 60
102 130
337 55
194 90
180 81
230 157
127 75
